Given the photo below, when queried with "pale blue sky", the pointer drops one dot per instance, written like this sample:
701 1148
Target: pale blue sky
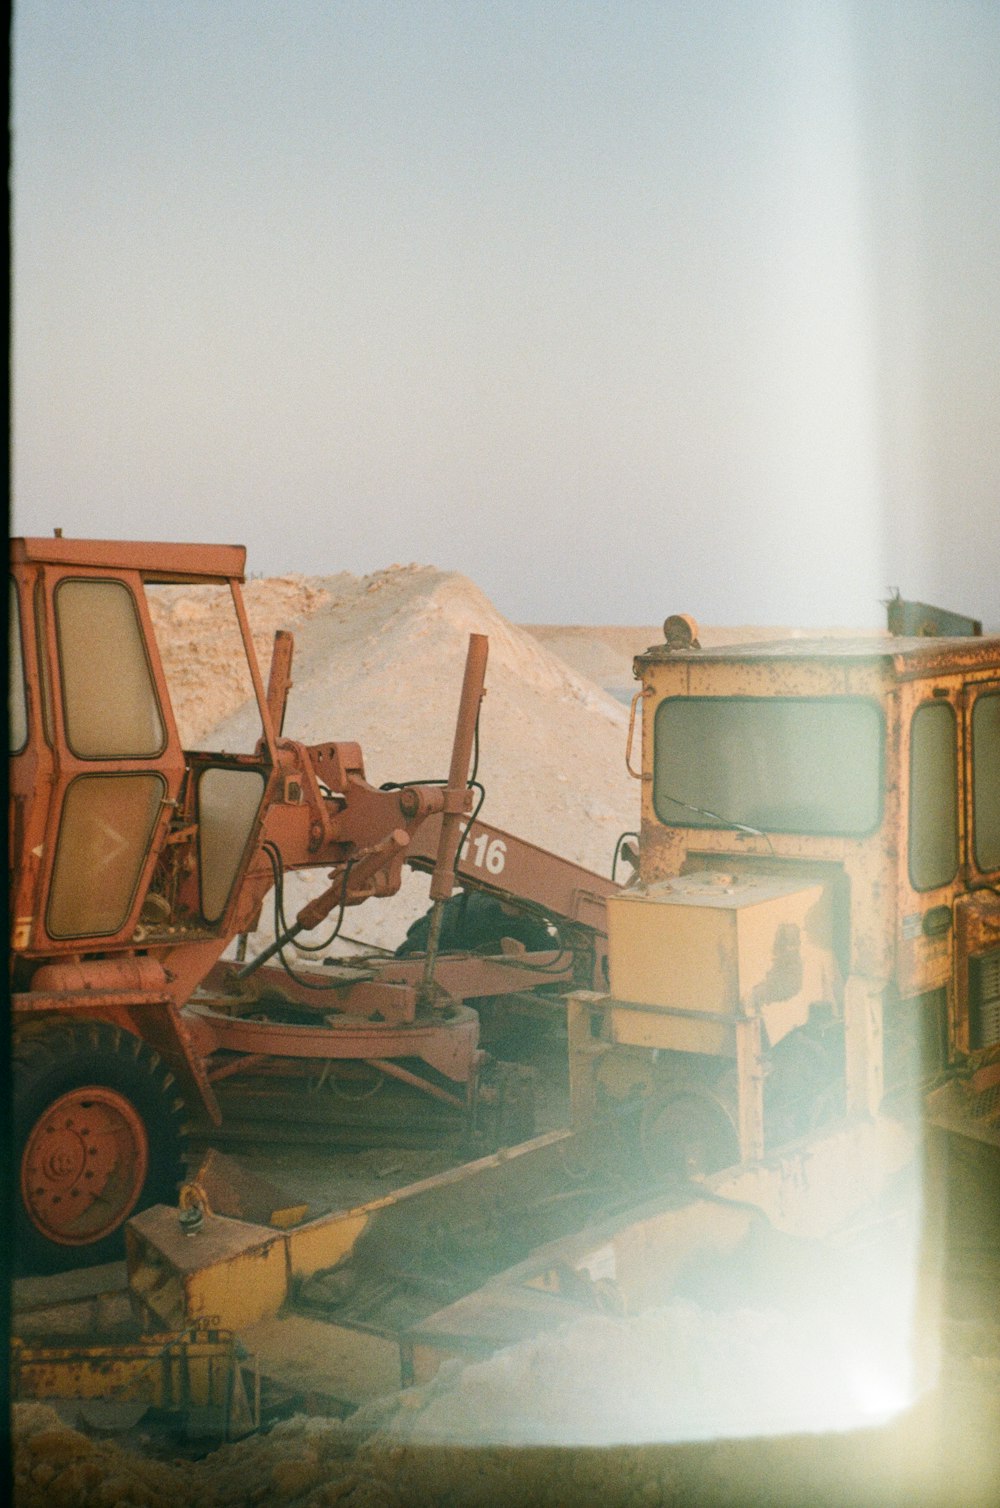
620 308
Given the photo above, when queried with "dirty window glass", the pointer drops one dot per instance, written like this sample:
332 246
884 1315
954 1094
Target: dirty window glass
108 694
104 832
44 679
17 709
777 764
228 802
205 666
933 796
986 781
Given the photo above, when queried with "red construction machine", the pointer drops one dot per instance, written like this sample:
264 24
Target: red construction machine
137 860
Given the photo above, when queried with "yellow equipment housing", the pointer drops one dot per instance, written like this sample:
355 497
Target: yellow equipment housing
815 923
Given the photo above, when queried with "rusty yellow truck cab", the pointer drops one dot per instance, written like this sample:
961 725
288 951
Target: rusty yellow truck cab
815 925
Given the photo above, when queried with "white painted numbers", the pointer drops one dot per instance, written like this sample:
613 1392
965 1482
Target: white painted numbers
485 853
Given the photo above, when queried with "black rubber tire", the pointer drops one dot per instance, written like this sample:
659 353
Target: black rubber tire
66 1057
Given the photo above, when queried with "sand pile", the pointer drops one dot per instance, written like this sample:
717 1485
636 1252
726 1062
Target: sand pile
603 654
379 660
202 656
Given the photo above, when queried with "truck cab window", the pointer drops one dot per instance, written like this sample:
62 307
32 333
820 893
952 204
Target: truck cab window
986 781
933 825
17 708
109 699
228 802
779 764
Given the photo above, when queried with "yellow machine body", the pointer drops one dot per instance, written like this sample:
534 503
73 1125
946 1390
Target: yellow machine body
815 921
713 945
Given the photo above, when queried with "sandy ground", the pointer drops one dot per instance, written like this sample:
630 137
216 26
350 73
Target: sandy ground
611 1377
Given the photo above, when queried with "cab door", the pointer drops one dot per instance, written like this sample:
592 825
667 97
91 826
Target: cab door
977 912
231 769
116 771
931 877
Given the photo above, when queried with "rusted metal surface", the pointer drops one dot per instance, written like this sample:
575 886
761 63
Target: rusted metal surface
195 1371
916 655
977 932
449 1045
404 1075
150 916
279 681
639 695
250 653
388 987
84 1165
235 1190
443 877
461 761
241 1274
867 865
238 1065
362 832
228 1272
904 929
108 1004
143 976
313 807
502 864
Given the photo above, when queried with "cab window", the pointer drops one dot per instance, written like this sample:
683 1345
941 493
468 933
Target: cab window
17 707
109 699
986 781
104 836
774 764
933 822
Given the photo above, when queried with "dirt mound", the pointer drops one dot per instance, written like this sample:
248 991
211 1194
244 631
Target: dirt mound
201 658
603 654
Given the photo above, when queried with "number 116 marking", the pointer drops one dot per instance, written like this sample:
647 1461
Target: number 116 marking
486 853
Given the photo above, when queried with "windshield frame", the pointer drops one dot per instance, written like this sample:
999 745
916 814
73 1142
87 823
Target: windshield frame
712 819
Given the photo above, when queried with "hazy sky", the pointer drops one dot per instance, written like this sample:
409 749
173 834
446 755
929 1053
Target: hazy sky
620 308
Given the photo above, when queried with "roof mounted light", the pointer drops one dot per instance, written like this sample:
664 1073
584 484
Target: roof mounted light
680 632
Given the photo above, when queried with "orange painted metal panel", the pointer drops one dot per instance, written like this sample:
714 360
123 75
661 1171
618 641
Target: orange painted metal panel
161 562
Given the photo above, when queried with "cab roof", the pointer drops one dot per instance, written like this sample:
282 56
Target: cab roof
910 657
156 562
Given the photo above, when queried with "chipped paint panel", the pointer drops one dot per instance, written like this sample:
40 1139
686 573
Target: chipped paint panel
906 657
924 945
896 932
768 678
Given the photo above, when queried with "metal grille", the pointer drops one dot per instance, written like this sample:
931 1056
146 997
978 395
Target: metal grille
986 1106
984 992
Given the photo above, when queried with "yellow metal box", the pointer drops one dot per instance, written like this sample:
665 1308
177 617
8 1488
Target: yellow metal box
721 943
